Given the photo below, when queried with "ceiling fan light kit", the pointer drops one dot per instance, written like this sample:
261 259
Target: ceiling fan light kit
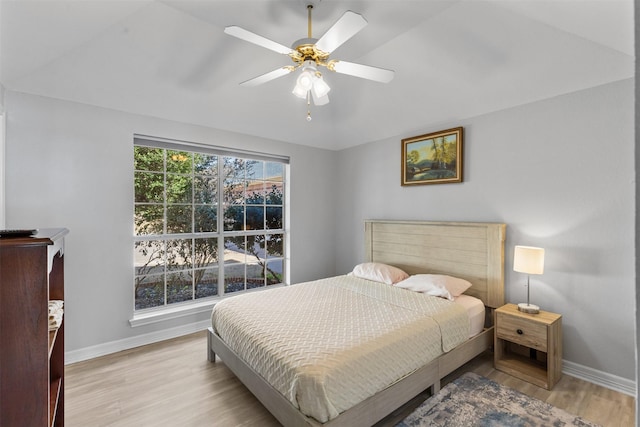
309 54
310 79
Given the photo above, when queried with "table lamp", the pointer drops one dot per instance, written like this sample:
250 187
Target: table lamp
530 260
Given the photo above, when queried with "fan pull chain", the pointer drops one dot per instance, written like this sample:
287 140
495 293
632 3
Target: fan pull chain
309 106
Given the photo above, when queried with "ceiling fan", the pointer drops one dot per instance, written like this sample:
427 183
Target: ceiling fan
310 53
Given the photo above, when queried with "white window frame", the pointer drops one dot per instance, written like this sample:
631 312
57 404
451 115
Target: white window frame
195 306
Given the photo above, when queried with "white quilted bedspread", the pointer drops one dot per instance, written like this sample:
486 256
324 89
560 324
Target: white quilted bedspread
329 344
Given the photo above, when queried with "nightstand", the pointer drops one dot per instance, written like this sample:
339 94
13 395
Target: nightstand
529 346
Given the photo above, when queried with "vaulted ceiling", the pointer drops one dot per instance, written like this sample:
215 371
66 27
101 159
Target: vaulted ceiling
453 59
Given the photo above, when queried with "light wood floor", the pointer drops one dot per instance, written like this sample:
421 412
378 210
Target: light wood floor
172 384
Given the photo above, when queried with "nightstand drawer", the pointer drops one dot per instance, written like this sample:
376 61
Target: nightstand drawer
522 331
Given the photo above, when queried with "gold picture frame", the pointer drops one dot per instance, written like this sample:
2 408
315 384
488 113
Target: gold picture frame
433 158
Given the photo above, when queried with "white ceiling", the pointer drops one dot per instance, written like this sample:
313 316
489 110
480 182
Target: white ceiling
453 60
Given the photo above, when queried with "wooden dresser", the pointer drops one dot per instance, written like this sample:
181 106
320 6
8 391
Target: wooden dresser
31 356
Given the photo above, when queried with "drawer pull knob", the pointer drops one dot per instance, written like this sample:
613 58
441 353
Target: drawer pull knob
520 332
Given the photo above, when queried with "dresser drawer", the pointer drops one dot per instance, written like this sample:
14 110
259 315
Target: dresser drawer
522 331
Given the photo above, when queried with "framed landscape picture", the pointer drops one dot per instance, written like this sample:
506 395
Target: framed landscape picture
434 158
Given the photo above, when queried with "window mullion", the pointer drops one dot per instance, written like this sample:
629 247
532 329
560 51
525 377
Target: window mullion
164 226
193 228
220 226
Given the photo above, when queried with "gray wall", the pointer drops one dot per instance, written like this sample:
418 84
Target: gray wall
70 165
637 207
560 174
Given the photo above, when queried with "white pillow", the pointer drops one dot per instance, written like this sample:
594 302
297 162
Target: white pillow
379 272
438 285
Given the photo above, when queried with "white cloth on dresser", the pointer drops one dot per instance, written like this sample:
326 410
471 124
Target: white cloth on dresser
56 312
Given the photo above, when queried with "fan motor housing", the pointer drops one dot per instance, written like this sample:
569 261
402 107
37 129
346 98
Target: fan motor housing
306 51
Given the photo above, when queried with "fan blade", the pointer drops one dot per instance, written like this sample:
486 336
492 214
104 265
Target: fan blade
250 37
381 75
344 28
267 77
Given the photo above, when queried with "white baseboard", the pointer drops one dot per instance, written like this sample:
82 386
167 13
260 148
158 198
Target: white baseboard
87 353
613 382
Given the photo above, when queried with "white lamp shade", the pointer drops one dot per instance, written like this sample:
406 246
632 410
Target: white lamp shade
323 100
528 259
305 80
320 87
299 92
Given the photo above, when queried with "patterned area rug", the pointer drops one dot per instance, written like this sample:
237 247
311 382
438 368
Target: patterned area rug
472 400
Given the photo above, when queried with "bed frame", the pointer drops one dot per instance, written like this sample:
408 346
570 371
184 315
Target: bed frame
473 251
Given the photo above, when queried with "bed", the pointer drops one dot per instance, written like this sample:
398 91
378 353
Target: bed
472 251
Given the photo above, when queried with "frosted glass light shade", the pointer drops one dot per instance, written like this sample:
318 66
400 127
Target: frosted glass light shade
305 80
299 92
320 87
528 259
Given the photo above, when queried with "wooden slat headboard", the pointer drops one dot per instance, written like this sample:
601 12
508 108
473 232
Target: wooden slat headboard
470 250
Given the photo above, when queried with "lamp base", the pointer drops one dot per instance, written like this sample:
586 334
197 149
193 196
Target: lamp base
528 308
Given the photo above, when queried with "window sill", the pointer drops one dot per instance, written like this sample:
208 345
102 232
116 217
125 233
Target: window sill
156 316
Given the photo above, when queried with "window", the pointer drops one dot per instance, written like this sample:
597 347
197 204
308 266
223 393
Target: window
207 221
